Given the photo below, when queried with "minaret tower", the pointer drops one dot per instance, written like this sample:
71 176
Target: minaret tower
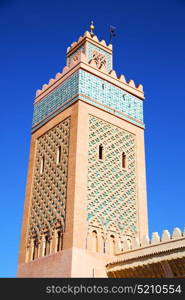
86 191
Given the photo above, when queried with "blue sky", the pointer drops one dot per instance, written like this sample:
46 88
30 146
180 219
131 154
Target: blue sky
149 48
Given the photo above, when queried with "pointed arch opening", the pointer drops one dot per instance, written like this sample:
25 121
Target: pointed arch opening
59 240
112 244
94 241
35 249
47 246
101 152
59 153
123 160
42 164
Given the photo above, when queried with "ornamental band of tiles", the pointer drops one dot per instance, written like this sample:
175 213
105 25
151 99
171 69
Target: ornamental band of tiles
86 192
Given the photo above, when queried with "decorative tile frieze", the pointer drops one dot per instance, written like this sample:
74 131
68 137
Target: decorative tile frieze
88 86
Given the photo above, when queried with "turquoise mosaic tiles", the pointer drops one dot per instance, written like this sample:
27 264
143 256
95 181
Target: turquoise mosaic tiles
92 89
54 100
110 95
108 56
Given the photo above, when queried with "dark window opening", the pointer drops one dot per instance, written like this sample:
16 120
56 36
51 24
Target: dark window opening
100 151
35 249
123 160
47 246
59 241
59 155
42 163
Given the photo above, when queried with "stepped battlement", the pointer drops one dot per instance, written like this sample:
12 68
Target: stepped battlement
96 54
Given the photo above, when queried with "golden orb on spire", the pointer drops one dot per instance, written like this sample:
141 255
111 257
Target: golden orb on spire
92 28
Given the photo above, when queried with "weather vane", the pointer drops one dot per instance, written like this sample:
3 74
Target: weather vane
112 32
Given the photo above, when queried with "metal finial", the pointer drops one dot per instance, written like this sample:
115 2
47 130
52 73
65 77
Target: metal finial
92 28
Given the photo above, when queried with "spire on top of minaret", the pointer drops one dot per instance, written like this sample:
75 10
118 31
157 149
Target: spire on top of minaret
92 28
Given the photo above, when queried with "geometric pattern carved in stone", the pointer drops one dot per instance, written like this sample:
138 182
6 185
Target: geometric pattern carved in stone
99 59
50 188
108 56
111 200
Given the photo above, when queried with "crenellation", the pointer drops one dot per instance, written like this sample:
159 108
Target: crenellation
80 38
165 236
103 43
110 46
58 75
176 233
80 56
45 86
122 78
113 74
156 239
131 83
139 87
38 92
94 37
65 70
51 81
73 44
87 34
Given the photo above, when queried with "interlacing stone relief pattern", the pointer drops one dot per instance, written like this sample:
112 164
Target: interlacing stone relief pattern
99 59
111 199
92 49
50 188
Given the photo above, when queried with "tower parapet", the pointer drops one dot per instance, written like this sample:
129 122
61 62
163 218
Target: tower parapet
135 243
159 257
85 58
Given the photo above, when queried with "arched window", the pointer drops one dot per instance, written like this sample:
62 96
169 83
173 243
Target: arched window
129 242
42 163
35 249
94 241
104 248
59 240
47 246
112 245
100 151
59 155
123 160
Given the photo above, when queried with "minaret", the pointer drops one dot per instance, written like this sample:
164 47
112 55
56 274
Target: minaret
86 189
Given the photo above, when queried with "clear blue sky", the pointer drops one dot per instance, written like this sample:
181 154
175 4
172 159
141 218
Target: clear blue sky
149 48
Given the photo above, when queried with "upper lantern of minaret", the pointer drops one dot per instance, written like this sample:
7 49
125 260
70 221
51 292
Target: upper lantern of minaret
89 76
95 51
